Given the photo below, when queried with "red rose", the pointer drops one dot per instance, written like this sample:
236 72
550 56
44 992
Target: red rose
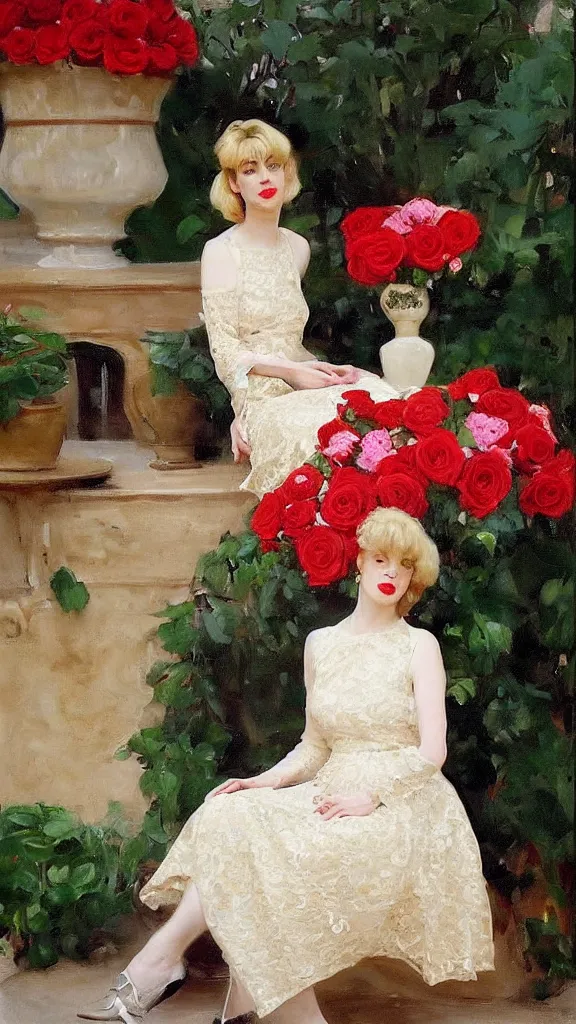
425 410
51 44
182 36
43 11
426 247
373 259
266 518
403 460
10 16
551 491
364 221
323 555
439 457
162 9
484 482
161 58
124 56
269 545
461 231
127 18
402 490
352 547
159 29
510 405
335 426
362 405
304 482
535 447
76 11
475 382
348 500
299 516
19 45
389 415
87 40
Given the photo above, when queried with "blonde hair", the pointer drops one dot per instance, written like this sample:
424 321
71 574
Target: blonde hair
389 531
249 140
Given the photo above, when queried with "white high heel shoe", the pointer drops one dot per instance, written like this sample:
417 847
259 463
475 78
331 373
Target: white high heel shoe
126 1003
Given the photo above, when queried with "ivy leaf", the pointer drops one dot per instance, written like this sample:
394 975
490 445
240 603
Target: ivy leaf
277 38
214 629
72 595
304 49
189 227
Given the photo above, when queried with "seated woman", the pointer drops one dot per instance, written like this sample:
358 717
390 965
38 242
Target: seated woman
255 312
354 845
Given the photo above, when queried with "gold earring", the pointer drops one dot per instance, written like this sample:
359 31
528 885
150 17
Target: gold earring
358 577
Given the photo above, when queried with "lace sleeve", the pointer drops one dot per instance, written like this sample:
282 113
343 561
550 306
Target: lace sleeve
405 772
232 361
308 756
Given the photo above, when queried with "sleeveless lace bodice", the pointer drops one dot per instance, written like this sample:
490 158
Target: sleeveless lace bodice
265 314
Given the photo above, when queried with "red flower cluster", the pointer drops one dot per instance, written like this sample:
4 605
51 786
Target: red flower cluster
127 37
379 240
392 453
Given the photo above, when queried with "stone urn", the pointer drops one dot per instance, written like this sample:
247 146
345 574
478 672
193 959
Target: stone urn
80 152
32 439
406 359
175 421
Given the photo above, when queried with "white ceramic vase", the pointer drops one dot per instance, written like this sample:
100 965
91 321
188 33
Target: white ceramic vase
407 359
80 153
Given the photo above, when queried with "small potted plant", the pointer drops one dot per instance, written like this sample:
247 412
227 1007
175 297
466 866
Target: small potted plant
174 398
33 369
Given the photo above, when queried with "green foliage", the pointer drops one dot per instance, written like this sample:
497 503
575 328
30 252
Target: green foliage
32 363
71 593
184 356
61 881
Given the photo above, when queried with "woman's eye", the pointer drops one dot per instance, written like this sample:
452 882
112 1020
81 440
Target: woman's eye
273 167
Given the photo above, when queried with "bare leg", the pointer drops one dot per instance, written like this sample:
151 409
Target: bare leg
301 1009
238 1000
166 947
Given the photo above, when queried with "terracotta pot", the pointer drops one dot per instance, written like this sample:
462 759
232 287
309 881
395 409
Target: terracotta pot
80 153
33 438
176 421
407 359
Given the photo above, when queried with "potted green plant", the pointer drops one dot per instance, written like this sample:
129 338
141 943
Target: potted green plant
33 369
180 390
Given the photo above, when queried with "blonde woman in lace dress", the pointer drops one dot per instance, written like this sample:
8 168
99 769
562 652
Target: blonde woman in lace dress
355 845
255 312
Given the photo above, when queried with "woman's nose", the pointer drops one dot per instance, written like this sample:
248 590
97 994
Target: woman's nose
392 570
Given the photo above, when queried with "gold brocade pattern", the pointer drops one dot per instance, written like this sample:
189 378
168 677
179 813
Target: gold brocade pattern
292 899
266 314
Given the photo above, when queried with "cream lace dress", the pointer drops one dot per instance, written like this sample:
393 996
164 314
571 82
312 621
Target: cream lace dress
265 315
291 898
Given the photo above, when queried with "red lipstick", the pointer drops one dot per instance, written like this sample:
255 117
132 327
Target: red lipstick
268 193
387 588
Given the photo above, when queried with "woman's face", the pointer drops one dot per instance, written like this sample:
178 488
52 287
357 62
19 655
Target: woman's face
384 578
261 183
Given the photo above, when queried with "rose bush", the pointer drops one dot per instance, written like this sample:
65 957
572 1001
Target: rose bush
432 451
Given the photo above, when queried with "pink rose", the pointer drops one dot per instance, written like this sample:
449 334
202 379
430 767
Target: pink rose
542 414
376 445
455 265
417 211
341 445
486 430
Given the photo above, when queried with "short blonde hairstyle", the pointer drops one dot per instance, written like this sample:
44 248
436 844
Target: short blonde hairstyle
389 531
249 140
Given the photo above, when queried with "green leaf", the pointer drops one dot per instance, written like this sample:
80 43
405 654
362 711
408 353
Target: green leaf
58 875
190 226
304 49
72 595
303 223
488 540
277 38
213 628
83 875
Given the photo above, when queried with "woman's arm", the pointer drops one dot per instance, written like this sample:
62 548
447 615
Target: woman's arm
302 763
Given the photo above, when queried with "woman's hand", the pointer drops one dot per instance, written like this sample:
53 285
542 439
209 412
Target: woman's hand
316 374
263 781
354 806
241 450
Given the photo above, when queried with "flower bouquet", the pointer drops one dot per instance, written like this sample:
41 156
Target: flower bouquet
471 450
127 37
405 248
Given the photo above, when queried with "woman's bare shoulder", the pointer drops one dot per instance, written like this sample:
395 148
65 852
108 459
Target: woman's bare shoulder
424 640
300 248
217 264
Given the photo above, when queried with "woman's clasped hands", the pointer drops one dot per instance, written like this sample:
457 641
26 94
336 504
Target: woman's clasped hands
314 373
354 806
